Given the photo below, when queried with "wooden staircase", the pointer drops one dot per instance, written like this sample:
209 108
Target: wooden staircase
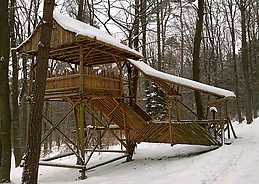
120 113
180 133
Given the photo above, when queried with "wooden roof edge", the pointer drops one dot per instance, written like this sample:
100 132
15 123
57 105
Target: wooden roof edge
18 47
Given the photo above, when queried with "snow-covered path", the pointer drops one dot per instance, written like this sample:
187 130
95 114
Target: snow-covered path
242 160
237 163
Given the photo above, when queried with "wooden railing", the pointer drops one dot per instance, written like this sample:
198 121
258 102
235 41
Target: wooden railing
94 82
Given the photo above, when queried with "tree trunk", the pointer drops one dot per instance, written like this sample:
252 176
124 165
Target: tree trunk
30 172
231 25
0 141
182 39
24 106
4 93
136 45
159 56
245 64
16 135
80 10
46 143
257 60
196 58
144 28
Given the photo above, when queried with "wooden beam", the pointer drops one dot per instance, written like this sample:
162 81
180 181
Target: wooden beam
64 138
56 124
57 156
107 162
58 164
107 151
219 100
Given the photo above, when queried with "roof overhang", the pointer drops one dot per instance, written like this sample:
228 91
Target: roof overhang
161 77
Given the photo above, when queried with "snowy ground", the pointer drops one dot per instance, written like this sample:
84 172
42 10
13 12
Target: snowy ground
237 163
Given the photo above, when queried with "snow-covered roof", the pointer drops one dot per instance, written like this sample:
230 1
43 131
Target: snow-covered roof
69 35
83 29
149 71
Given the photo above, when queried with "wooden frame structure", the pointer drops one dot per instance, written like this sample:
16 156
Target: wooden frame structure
104 96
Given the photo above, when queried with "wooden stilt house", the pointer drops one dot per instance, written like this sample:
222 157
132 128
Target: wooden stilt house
106 96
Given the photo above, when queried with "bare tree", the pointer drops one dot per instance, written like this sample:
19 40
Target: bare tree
16 138
243 4
231 24
30 172
4 94
196 56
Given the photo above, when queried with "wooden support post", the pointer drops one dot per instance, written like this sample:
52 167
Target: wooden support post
121 82
170 119
222 125
227 119
81 70
127 136
77 135
81 110
233 131
76 117
82 134
121 76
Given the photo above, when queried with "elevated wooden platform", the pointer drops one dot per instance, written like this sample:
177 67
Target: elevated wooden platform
94 83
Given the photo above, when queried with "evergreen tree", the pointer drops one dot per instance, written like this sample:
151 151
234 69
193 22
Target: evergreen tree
155 101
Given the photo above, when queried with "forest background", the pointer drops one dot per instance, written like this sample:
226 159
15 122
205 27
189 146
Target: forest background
164 31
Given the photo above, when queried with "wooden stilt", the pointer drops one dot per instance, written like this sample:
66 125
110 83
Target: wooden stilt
222 125
228 128
170 119
232 128
127 136
81 111
77 135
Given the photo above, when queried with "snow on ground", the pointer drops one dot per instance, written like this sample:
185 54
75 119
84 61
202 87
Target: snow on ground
237 163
